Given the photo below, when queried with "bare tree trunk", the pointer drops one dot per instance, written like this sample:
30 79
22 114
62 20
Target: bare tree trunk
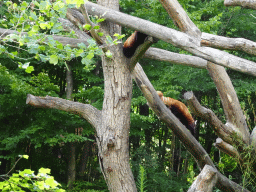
113 133
72 148
71 165
84 159
172 150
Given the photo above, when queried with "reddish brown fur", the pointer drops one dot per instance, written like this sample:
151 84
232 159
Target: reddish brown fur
130 41
180 110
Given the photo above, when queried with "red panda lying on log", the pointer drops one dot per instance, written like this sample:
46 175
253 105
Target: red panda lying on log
134 41
180 110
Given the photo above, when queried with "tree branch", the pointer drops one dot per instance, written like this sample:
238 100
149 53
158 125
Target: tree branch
179 129
166 115
233 112
253 138
64 40
205 181
231 105
140 52
88 21
226 148
88 112
221 42
181 19
151 53
251 4
174 37
68 26
175 58
220 129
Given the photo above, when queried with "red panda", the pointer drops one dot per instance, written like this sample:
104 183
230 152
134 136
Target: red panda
131 44
180 110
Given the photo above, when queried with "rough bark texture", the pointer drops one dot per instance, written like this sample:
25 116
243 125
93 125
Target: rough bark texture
221 42
205 181
113 134
229 99
88 112
226 148
243 3
175 10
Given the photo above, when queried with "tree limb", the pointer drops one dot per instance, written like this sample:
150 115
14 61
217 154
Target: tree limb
205 181
140 52
231 105
64 40
181 19
179 129
175 58
253 138
88 21
220 129
251 4
233 112
166 115
226 148
68 26
221 42
151 53
88 112
174 37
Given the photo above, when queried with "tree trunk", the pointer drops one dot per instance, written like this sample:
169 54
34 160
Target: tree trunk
84 159
113 133
72 148
71 165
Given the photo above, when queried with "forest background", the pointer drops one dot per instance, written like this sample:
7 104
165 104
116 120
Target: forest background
47 135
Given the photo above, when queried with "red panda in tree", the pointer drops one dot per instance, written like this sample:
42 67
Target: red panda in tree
131 44
180 110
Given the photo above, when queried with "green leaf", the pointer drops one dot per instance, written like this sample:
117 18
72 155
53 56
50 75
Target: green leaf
51 182
79 52
35 28
87 27
44 170
90 55
25 156
43 25
29 69
26 171
100 20
24 4
96 27
59 45
58 5
100 34
76 2
109 54
54 59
